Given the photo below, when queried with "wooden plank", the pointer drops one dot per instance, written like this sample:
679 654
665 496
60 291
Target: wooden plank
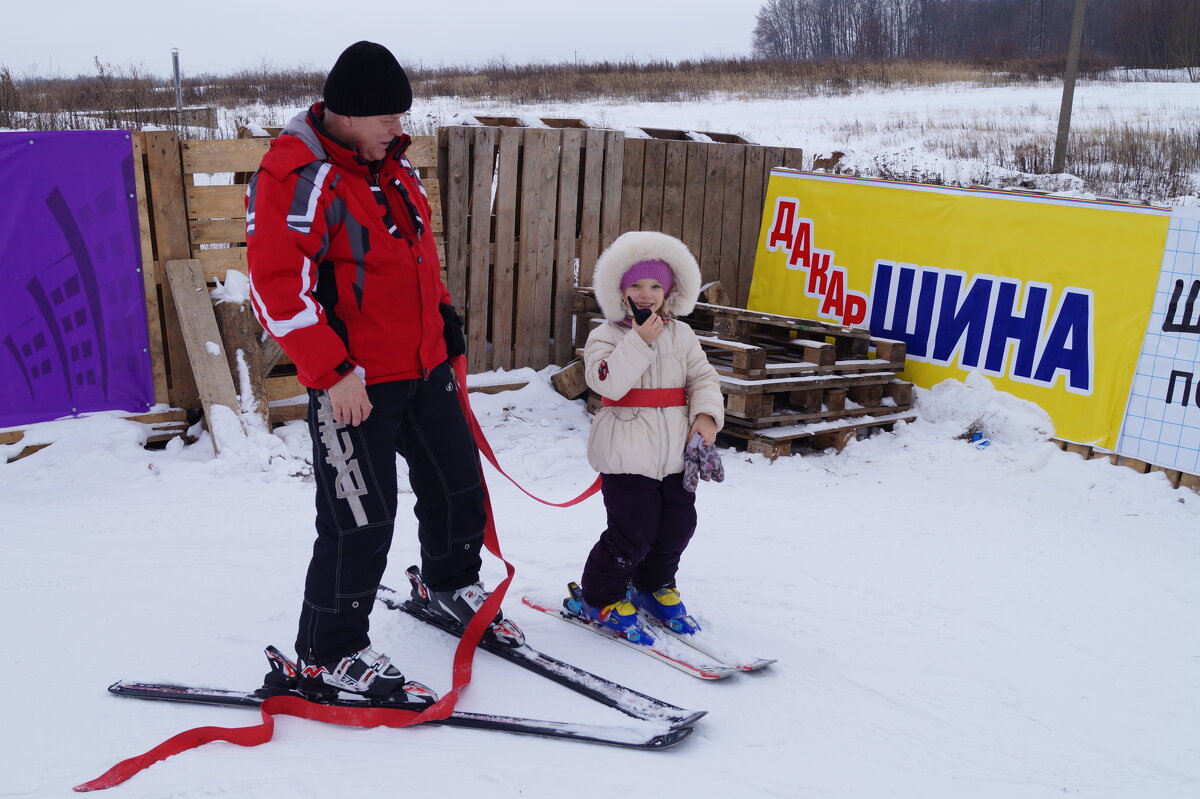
614 172
570 152
653 177
477 301
693 197
525 328
222 155
203 341
217 202
496 388
423 152
154 328
772 157
168 216
570 381
546 211
734 386
281 387
714 206
433 188
631 184
219 261
292 412
216 231
504 269
754 192
240 337
457 188
793 158
731 216
674 180
589 214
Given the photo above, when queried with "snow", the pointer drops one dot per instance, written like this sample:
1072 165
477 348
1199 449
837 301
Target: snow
1009 622
235 289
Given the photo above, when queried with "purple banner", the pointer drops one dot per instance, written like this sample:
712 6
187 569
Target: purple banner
72 306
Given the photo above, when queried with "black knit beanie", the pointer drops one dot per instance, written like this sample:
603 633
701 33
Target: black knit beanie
367 81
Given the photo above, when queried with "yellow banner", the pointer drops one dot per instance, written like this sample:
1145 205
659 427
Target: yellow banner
1047 296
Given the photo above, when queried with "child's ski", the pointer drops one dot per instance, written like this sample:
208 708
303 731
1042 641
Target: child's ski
611 694
705 643
686 659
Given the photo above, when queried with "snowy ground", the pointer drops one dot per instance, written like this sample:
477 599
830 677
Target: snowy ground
1009 622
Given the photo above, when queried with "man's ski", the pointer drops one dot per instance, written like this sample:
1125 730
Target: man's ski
686 659
704 643
648 737
606 692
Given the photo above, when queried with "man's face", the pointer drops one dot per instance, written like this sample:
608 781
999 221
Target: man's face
372 135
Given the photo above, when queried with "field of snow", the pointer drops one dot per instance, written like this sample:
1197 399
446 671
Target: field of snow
1011 622
957 134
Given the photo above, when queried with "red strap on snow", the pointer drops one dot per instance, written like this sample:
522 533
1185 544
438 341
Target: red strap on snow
464 655
648 398
260 733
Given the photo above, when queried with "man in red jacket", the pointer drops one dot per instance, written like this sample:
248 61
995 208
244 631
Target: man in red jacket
345 276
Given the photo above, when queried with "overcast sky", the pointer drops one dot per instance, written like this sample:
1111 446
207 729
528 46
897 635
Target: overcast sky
62 37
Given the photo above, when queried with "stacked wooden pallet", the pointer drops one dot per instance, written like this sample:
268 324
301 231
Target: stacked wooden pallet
794 384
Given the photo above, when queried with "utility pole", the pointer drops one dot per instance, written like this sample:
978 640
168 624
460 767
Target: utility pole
1064 114
178 82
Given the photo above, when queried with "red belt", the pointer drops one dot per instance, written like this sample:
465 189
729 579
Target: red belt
649 398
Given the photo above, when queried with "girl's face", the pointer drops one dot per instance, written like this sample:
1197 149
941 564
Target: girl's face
646 293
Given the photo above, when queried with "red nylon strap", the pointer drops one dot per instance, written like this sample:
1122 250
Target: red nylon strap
649 398
460 372
464 655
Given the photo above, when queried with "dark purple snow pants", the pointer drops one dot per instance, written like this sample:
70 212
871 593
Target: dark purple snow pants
649 525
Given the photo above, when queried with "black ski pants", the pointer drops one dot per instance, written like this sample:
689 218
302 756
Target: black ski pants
650 523
355 471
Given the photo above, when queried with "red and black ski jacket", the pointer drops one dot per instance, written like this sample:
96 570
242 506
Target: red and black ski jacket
343 270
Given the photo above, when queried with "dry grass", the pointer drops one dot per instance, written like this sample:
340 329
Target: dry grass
1117 159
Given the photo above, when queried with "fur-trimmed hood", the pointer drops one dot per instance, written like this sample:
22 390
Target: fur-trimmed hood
646 245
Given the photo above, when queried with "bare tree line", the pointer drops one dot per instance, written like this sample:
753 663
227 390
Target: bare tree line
1135 33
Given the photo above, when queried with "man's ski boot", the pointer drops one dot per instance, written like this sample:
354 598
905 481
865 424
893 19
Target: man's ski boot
365 673
620 617
460 605
665 607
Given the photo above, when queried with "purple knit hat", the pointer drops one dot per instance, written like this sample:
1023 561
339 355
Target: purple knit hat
655 270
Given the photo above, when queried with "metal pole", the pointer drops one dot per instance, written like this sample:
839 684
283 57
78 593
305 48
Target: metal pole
178 82
1064 114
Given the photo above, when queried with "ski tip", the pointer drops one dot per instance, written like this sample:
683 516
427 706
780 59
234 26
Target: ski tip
671 738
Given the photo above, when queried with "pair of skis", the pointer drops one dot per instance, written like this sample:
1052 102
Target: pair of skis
666 724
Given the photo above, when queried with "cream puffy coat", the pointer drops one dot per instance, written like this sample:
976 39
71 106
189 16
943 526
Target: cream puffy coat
647 441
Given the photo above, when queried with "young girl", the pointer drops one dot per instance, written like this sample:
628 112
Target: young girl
658 390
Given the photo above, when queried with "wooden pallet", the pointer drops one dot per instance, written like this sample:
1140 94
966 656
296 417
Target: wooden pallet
164 425
818 436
